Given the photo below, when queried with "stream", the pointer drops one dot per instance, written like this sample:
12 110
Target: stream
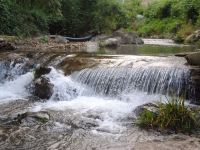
95 93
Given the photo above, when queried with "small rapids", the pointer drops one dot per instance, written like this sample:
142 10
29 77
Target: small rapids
14 79
16 89
11 69
107 96
78 99
92 108
153 80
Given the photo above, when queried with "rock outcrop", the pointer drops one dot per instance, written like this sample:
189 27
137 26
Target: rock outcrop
128 38
117 38
193 38
110 42
43 88
193 58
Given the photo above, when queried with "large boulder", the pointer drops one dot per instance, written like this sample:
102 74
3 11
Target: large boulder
128 38
193 58
43 88
111 42
117 38
4 45
100 38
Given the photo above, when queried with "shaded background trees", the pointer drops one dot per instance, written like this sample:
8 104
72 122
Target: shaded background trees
67 17
165 18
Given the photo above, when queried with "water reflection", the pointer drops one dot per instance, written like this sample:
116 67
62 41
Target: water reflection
152 50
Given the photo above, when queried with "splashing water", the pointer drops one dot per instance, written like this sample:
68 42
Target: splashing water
78 99
16 89
10 69
109 95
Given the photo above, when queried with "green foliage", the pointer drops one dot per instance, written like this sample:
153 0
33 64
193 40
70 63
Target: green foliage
158 9
173 115
26 18
184 31
146 120
159 27
170 18
81 17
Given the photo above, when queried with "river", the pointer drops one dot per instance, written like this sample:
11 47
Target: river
95 92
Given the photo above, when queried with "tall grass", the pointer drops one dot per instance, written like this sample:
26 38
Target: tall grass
172 115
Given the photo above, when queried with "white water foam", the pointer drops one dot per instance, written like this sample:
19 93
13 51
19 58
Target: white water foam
64 87
111 112
68 94
16 89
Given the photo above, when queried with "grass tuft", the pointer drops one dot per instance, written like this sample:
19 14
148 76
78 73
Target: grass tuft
172 115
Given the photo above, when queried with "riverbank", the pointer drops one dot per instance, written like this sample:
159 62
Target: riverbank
92 100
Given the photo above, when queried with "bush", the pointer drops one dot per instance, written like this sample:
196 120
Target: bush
173 115
159 27
170 17
25 18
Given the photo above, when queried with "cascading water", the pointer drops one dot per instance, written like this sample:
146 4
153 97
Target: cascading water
107 93
14 77
153 80
81 101
10 69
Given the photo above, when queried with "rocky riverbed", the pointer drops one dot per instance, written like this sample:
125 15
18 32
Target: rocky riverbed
92 99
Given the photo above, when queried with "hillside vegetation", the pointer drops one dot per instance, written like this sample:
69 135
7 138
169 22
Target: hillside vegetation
169 18
150 18
68 17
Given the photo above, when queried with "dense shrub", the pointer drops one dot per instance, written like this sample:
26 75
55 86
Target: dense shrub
23 18
173 115
170 18
166 27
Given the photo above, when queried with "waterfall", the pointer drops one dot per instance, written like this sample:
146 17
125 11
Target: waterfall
11 69
153 80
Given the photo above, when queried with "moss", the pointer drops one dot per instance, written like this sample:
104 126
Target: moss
42 120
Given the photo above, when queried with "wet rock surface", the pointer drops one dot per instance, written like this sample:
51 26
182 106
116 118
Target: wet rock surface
80 127
27 119
43 88
195 88
193 58
62 131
